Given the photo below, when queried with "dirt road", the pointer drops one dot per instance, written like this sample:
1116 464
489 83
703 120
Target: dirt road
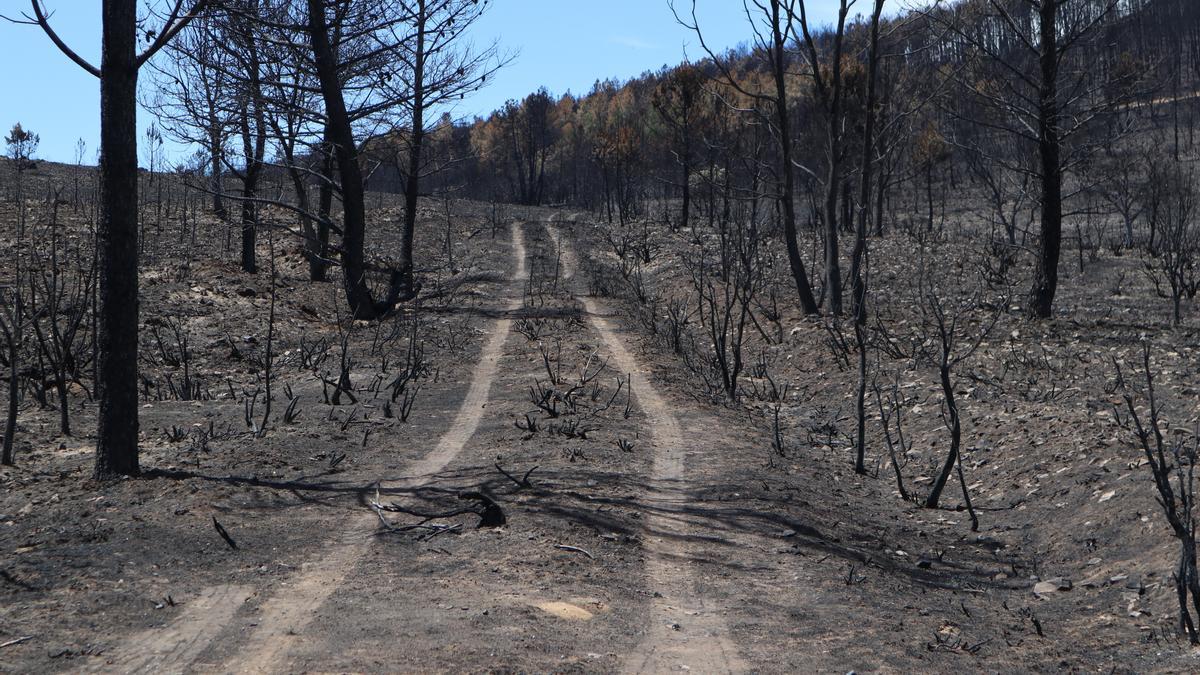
300 624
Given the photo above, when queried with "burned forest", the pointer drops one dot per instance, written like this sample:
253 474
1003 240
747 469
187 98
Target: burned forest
862 336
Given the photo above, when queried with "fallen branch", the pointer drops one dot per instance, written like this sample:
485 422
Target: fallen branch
523 482
574 549
224 535
430 531
16 641
435 530
396 508
491 515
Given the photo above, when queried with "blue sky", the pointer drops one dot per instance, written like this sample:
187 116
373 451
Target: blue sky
560 44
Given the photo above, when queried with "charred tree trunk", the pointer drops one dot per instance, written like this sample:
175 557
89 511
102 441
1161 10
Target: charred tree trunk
807 302
1045 283
254 145
829 214
216 183
12 338
318 257
686 208
341 136
249 219
10 425
935 494
406 281
857 259
829 92
116 389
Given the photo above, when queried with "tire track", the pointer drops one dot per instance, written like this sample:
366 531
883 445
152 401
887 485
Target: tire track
283 621
685 631
173 649
285 616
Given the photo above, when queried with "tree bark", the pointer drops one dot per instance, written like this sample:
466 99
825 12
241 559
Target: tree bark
831 96
406 281
319 254
935 494
217 185
254 145
686 208
117 444
1045 283
858 258
14 391
249 217
807 302
341 135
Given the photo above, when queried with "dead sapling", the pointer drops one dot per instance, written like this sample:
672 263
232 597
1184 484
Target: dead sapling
891 418
312 354
495 217
1173 459
950 351
409 379
175 434
350 419
172 351
600 401
545 398
408 397
1174 266
574 396
628 411
335 460
554 372
573 427
291 413
249 405
949 331
61 279
677 319
529 426
777 441
521 483
852 578
839 345
342 384
268 370
724 303
12 324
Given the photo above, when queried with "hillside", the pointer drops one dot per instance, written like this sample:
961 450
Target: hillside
867 348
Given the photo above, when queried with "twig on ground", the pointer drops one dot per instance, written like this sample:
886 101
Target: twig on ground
523 482
16 641
224 535
574 549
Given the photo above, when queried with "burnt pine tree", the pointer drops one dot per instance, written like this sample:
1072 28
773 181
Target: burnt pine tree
406 61
416 142
1045 279
191 93
116 233
830 92
773 31
438 70
1029 76
340 135
676 101
251 123
859 258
